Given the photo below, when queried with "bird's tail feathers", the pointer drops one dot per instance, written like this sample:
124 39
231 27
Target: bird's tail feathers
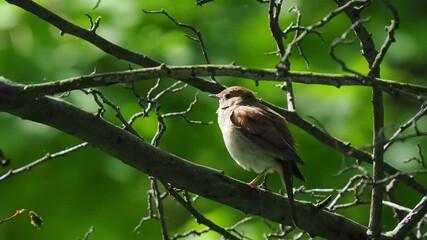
286 172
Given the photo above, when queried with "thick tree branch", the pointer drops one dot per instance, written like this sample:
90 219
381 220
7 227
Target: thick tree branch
102 43
191 71
169 168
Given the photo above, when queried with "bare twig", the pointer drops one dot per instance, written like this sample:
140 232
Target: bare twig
96 93
297 29
281 234
342 40
410 220
93 25
201 2
355 180
145 110
17 213
398 210
159 205
97 4
161 127
375 65
189 233
332 14
356 202
41 160
421 161
401 138
151 214
412 121
239 223
184 113
200 218
89 232
198 34
396 206
273 15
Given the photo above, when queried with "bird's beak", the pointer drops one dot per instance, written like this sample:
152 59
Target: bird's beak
214 96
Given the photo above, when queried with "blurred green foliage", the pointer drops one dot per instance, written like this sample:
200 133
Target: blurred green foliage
89 188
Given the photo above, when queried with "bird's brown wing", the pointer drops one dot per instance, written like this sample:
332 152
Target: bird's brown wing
267 129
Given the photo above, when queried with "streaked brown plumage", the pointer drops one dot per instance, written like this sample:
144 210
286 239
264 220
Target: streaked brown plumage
258 138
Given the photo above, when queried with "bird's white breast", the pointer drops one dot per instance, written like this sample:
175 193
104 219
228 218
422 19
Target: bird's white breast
247 154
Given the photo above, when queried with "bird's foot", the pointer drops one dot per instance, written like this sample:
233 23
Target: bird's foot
259 188
264 186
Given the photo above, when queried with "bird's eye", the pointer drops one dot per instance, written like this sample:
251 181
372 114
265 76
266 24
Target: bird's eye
227 96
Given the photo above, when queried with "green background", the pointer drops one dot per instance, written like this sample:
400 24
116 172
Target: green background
89 188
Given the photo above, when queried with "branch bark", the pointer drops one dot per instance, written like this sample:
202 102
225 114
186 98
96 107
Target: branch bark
410 220
192 71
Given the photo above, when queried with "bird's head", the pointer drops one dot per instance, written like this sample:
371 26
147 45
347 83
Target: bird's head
233 96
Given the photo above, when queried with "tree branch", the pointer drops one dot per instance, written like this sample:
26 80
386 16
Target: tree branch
410 220
47 157
102 43
169 168
186 72
200 218
410 122
378 163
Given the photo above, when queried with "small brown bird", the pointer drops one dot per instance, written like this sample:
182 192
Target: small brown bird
258 138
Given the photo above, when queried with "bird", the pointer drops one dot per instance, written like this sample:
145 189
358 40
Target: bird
258 138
